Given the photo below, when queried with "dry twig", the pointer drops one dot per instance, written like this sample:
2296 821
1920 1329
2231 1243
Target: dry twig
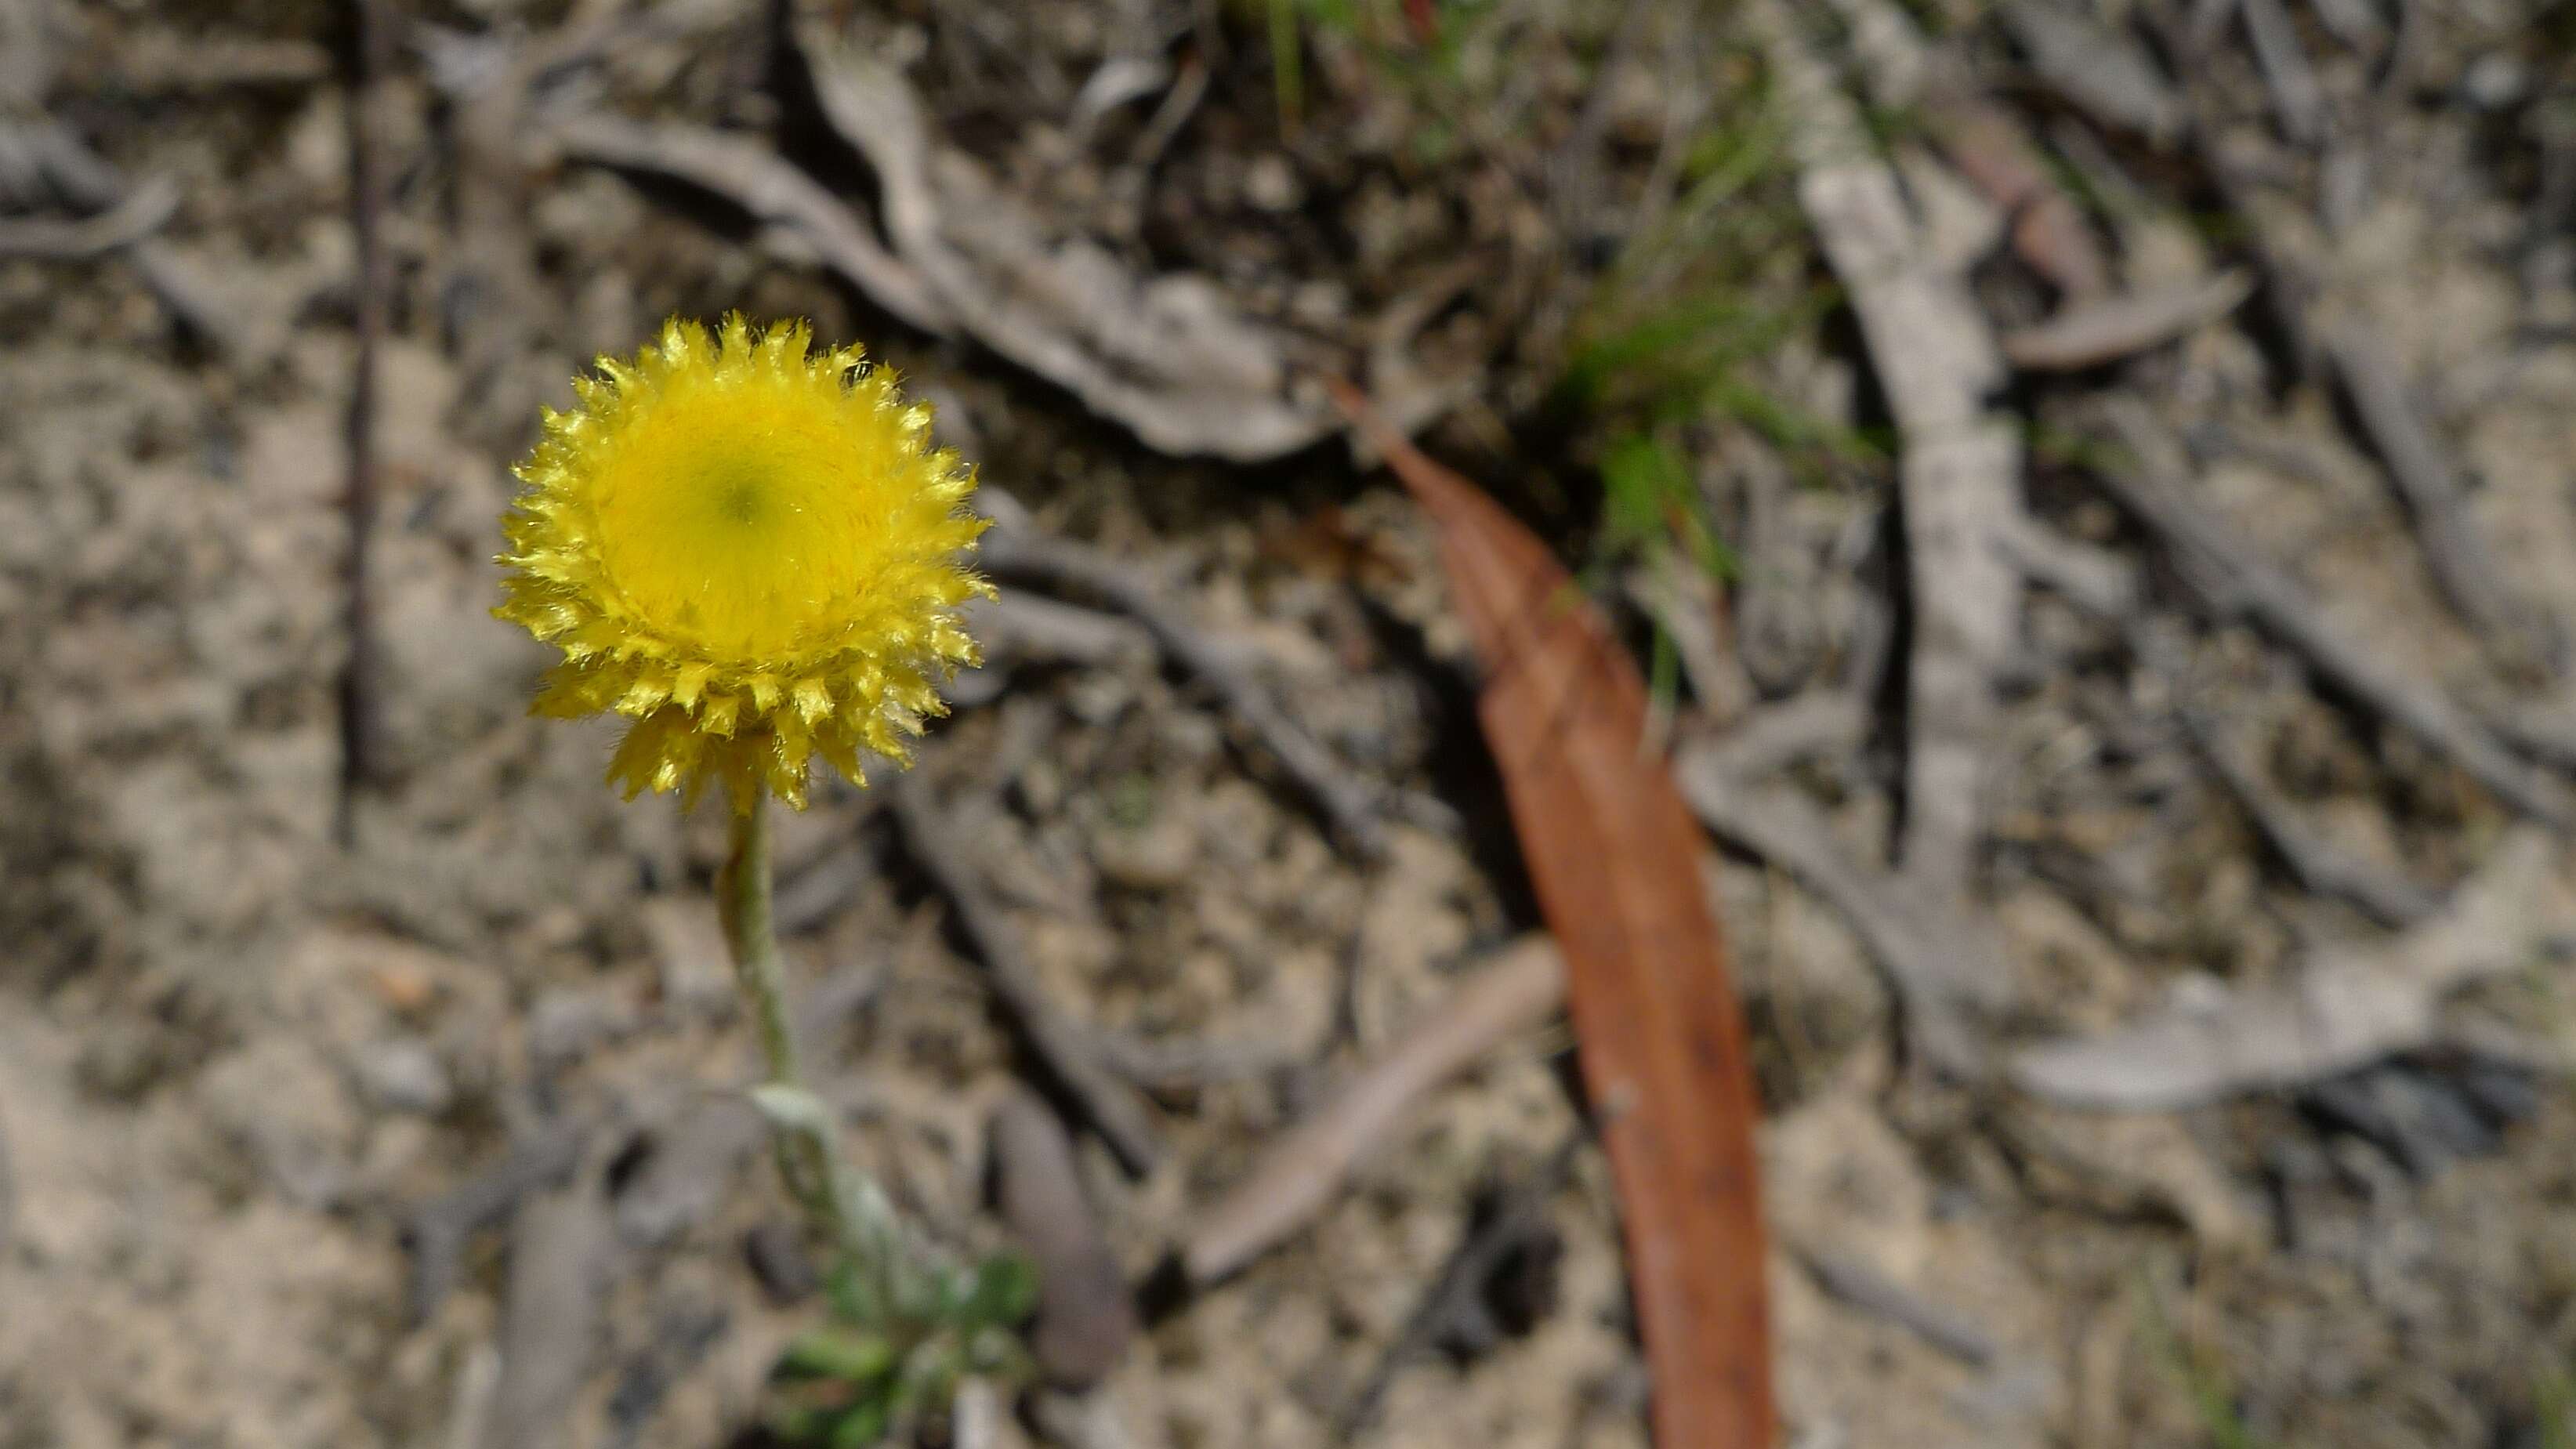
2462 563
1960 463
492 296
1022 628
2297 101
1151 1062
438 1229
2321 866
1866 1288
771 191
2094 579
1456 1296
677 1174
1936 957
2099 69
140 213
2235 582
980 1419
8 1193
1302 1171
165 60
2546 733
2106 587
2348 1005
85 179
1351 804
1985 141
358 724
1085 1421
560 1262
1112 1108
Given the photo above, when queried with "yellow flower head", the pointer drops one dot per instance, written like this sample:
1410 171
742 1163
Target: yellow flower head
751 552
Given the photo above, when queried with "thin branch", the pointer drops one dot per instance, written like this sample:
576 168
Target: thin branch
1304 1170
1938 958
2463 564
358 741
1085 1315
2234 581
438 1230
1351 804
143 211
2090 334
1110 1105
772 191
1866 1288
2322 866
1456 1295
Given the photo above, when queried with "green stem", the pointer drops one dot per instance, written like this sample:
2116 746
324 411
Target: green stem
836 1201
842 1203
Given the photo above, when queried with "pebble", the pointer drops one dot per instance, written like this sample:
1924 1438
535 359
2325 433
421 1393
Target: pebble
1158 857
1271 184
402 1074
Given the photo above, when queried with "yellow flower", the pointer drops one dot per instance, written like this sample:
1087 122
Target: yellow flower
752 552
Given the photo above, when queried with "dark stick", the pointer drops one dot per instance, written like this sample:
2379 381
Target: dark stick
1453 1297
8 1196
357 703
1857 1283
1112 1108
1350 804
2321 865
437 1230
2234 581
2464 567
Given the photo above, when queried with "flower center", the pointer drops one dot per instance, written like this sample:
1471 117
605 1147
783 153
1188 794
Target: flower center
729 520
738 500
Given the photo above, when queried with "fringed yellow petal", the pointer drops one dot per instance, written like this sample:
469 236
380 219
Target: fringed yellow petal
751 551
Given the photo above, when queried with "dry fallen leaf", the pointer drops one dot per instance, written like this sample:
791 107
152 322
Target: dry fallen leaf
1167 356
1614 856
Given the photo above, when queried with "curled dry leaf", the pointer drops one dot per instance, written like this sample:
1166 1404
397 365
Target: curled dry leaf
2093 333
1085 1317
774 193
1169 357
1614 856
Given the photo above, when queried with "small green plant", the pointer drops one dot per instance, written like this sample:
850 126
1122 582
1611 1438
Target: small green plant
1676 344
893 1357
